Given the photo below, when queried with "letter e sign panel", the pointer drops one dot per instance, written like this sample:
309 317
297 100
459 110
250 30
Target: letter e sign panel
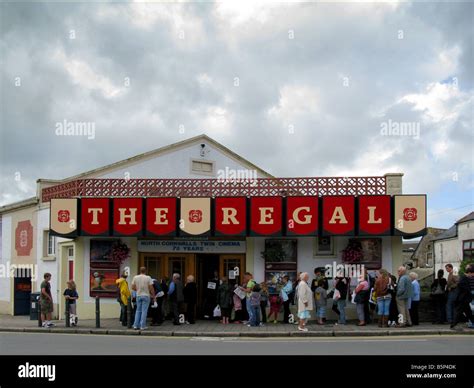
161 216
63 217
409 218
128 216
195 216
265 216
301 216
230 216
338 215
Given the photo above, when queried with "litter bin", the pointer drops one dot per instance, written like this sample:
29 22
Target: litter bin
34 306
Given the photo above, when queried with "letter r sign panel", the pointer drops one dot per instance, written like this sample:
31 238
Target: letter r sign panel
230 216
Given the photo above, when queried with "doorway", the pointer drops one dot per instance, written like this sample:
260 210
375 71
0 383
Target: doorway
22 287
207 264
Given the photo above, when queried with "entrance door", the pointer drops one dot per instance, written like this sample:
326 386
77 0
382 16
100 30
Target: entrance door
22 287
234 263
207 264
154 264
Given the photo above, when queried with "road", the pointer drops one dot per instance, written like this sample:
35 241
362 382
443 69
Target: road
83 344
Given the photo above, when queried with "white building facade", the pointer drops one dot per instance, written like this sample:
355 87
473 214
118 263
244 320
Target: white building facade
25 237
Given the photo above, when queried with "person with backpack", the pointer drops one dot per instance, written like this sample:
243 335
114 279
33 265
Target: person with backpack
438 296
382 292
254 301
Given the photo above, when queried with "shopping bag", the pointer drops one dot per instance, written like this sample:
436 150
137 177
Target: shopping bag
217 311
337 295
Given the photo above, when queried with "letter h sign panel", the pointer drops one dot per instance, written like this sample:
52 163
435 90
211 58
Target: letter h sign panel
128 216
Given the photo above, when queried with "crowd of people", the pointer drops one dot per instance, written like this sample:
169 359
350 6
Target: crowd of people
395 300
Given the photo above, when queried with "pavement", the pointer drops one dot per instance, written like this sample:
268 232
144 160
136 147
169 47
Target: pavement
10 323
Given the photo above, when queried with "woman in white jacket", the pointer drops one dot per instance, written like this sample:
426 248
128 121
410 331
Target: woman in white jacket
305 301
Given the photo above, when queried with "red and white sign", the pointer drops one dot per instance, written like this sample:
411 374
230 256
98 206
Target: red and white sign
302 216
230 216
161 216
95 216
338 215
128 216
265 216
195 216
63 217
374 215
23 238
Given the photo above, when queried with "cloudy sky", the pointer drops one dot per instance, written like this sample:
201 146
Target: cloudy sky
300 89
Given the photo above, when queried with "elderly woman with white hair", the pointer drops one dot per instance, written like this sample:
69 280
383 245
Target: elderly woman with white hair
305 301
415 299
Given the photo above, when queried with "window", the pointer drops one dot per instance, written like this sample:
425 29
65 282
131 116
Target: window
70 252
324 246
49 244
202 167
468 250
429 259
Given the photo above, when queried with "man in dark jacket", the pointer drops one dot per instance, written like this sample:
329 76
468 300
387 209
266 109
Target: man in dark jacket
157 310
176 297
464 297
190 298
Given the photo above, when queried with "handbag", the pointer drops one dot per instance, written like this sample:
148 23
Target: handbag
337 295
217 311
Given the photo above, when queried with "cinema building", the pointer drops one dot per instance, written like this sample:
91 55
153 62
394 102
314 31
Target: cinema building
196 207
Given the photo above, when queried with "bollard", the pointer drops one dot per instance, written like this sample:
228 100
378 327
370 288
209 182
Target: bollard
129 312
38 302
67 314
97 312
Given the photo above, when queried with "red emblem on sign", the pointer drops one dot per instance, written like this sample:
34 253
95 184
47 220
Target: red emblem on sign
409 214
24 238
195 216
63 215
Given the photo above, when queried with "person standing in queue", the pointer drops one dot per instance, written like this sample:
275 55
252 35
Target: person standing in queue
285 297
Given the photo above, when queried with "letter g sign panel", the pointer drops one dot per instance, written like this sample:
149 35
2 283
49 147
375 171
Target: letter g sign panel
301 216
